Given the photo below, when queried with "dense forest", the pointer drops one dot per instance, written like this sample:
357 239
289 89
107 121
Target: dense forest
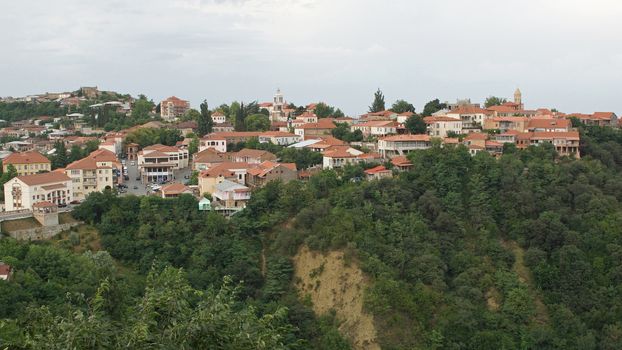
520 252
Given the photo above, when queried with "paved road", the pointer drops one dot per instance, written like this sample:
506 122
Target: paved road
141 188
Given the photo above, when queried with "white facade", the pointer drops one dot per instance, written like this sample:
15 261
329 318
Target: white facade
219 145
22 192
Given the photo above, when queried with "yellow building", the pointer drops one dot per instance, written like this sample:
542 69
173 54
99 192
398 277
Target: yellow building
27 163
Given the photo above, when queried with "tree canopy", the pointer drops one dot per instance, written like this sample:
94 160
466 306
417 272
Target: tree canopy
378 104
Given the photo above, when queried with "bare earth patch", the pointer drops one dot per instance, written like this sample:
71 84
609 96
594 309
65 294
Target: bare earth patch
331 285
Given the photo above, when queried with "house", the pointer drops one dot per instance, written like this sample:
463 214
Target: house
18 146
219 117
339 156
598 118
223 127
278 138
173 107
507 137
157 163
231 195
565 143
205 204
473 118
95 172
324 126
441 126
307 118
549 125
477 139
403 117
269 171
377 173
401 163
206 159
174 190
376 127
23 191
253 156
230 171
5 271
110 146
187 127
220 140
402 144
504 124
27 163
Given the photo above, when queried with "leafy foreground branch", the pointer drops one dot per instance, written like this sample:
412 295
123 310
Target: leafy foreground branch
170 315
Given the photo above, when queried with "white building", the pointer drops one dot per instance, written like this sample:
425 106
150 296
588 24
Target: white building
157 163
401 144
279 138
219 118
23 191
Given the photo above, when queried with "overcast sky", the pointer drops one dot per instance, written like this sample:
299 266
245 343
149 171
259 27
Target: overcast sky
565 54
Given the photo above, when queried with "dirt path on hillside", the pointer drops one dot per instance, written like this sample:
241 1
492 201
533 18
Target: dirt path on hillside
524 275
333 285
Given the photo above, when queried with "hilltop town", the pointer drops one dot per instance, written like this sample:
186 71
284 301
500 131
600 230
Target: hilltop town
94 140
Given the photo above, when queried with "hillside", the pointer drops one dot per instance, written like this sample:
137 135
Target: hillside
462 252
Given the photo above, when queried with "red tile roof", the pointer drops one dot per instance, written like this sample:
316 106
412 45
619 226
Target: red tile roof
29 157
43 178
407 137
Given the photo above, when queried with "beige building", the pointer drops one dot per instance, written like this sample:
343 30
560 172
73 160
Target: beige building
27 163
96 172
173 107
269 171
402 144
440 126
23 192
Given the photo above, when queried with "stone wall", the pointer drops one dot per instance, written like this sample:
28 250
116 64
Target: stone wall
40 233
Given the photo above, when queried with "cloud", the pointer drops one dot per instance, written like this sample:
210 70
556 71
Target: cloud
566 54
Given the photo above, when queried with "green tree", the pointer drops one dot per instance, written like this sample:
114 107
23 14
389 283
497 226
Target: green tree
141 109
401 106
59 159
322 110
205 122
193 147
239 118
378 103
415 124
257 122
494 101
433 107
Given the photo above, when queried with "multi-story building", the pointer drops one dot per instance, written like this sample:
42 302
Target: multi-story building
279 138
220 140
157 163
269 171
324 126
565 143
402 144
23 192
549 125
441 126
376 127
95 172
504 124
473 118
598 118
173 107
27 163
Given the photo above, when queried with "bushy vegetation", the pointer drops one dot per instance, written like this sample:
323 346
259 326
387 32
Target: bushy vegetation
520 252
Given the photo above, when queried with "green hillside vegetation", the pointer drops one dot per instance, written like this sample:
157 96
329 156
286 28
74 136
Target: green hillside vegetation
521 252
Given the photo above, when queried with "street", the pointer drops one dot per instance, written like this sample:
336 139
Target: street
141 188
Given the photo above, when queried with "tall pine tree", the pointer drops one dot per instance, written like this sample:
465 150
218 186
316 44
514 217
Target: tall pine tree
378 104
205 122
239 118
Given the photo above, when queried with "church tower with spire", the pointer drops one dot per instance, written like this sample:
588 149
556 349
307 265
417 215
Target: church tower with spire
518 99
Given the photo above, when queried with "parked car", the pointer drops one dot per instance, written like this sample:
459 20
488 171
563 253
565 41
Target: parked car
62 205
187 177
132 163
75 202
137 178
135 187
126 178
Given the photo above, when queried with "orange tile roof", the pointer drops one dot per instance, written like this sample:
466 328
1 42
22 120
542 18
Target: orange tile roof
401 161
541 123
375 170
175 188
476 136
29 157
43 178
407 137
